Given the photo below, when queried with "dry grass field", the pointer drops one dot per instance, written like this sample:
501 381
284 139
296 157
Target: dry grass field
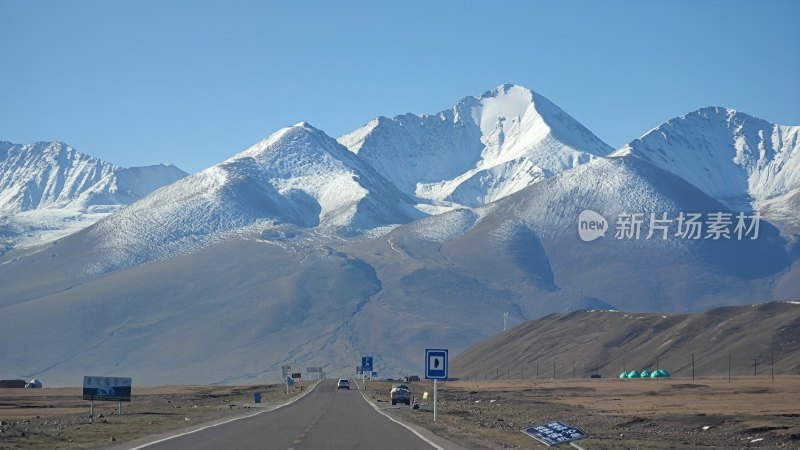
643 414
617 414
58 418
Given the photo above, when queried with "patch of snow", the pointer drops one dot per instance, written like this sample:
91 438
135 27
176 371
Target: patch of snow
445 227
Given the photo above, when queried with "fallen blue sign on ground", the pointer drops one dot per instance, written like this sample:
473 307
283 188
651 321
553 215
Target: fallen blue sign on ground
555 433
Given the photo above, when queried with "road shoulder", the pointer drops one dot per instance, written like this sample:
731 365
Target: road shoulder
436 441
254 410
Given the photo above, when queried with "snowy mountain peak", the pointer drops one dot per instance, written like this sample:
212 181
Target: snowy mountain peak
483 149
282 139
741 160
55 175
298 177
49 190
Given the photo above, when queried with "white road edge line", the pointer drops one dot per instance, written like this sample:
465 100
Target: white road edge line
375 407
227 421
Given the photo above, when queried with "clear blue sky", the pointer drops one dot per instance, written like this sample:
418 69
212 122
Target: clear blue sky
193 82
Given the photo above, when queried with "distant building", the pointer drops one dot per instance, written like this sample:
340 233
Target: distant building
14 384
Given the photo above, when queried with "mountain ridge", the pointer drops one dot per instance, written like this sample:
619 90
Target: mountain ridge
298 247
296 179
49 190
741 160
482 149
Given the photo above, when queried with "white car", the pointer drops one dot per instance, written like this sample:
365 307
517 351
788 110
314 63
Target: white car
343 384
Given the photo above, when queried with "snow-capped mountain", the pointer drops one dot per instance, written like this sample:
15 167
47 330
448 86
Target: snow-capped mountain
323 301
742 161
315 252
49 189
481 150
297 178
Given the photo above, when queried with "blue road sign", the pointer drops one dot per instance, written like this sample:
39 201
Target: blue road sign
366 363
436 364
555 433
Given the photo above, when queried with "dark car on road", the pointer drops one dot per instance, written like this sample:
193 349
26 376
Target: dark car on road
400 393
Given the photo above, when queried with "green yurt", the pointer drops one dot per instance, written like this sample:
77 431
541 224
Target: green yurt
644 374
633 374
623 375
660 373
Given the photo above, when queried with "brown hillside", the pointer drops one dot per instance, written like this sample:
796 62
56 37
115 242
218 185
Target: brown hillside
614 341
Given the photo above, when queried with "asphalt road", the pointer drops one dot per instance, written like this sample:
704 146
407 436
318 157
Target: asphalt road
326 418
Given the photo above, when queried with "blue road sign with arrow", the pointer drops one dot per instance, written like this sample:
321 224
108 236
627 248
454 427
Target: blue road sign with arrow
436 364
366 363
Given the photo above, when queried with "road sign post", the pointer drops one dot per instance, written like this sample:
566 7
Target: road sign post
366 367
317 370
107 388
435 369
366 363
285 371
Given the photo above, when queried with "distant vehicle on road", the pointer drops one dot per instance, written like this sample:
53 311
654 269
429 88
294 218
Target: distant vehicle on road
411 378
400 393
343 384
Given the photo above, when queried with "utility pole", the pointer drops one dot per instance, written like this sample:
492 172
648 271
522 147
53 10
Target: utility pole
505 320
755 366
657 376
554 370
692 366
772 366
729 367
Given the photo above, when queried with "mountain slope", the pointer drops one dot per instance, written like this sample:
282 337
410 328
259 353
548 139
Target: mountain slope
297 178
449 278
614 341
313 298
740 160
481 150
